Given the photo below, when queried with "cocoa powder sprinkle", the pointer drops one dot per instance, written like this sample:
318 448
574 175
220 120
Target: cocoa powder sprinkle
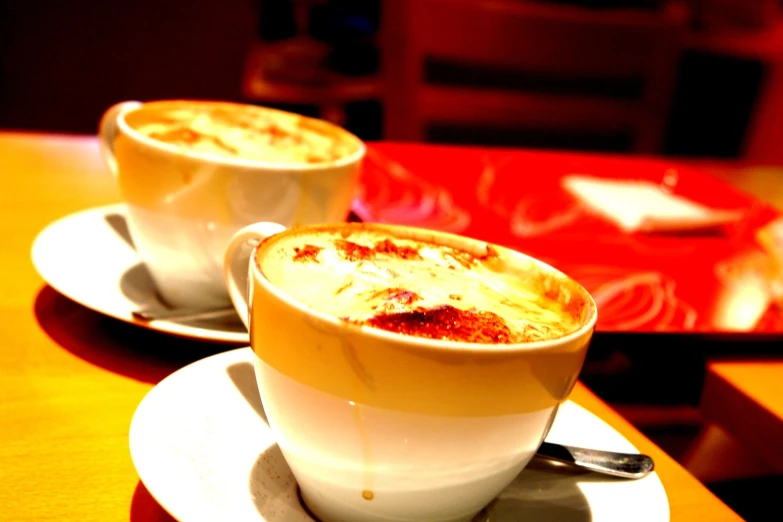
307 253
343 288
353 251
446 323
356 252
387 246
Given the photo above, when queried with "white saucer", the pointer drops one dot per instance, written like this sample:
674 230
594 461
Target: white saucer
89 257
202 447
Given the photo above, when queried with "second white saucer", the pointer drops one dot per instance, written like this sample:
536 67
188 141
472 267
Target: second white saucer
89 257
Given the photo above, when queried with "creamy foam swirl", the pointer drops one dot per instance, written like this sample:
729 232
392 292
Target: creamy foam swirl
423 289
241 131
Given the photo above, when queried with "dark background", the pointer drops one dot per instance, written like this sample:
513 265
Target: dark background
62 63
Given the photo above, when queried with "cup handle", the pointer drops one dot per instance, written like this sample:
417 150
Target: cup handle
107 130
236 265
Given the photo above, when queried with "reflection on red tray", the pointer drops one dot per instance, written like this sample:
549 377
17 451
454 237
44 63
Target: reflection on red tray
636 300
392 194
708 282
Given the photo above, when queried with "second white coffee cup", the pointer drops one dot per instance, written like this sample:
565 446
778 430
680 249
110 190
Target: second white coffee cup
183 205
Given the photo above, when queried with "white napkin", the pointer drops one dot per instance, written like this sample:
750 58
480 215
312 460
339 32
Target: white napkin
643 206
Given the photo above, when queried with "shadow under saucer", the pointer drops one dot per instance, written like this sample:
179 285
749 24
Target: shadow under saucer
144 507
117 346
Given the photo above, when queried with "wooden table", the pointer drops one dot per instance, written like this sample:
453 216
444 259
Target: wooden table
70 378
745 398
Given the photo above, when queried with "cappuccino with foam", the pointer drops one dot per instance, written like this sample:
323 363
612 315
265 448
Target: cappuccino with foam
408 286
407 374
244 132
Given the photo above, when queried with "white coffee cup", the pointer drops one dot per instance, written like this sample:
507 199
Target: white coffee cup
183 206
379 426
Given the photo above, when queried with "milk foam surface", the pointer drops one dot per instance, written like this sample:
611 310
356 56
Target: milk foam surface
241 131
376 279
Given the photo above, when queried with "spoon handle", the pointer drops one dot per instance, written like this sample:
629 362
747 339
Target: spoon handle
178 314
624 465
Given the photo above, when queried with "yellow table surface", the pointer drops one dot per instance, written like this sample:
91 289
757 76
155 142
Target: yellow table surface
70 378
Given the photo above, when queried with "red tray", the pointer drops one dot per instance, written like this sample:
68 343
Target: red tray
711 282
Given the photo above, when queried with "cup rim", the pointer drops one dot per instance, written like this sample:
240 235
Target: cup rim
424 342
354 157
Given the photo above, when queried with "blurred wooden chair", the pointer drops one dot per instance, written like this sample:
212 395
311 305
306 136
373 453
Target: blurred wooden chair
528 73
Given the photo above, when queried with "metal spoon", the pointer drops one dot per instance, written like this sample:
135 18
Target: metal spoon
624 465
181 314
